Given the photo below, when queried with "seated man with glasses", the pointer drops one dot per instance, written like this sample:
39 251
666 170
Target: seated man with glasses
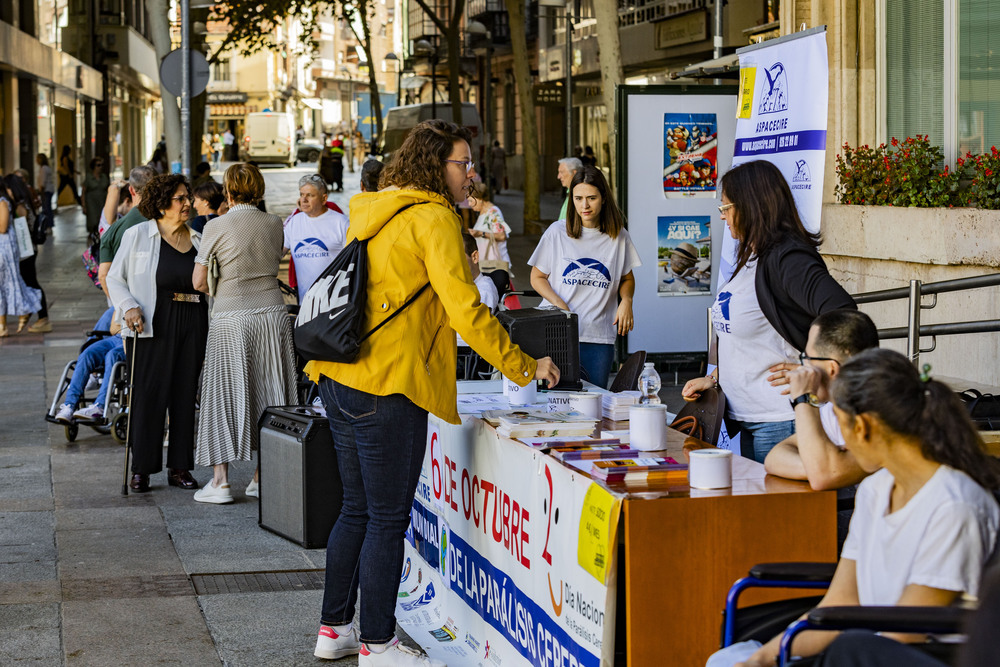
815 452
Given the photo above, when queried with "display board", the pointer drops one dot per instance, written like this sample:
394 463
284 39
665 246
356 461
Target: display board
507 561
676 141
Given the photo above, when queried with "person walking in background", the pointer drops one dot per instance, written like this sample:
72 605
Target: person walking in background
314 235
588 159
250 359
206 148
217 148
762 314
159 162
16 298
568 166
228 144
490 230
46 188
584 265
150 286
20 197
95 192
378 405
498 167
67 174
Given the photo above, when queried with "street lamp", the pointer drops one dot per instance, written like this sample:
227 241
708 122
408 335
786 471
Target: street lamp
480 31
422 47
397 66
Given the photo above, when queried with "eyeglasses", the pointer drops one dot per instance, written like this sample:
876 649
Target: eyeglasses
803 357
182 198
468 164
725 207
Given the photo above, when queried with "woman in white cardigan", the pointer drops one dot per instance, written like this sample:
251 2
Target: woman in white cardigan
150 284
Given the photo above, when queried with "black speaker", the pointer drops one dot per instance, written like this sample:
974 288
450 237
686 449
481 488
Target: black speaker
300 489
548 333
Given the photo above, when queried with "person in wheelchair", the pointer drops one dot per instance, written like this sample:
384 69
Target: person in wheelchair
925 521
102 352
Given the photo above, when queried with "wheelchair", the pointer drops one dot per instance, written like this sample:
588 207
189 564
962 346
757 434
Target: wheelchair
115 420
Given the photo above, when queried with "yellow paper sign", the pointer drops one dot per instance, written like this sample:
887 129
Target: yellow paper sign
748 77
598 521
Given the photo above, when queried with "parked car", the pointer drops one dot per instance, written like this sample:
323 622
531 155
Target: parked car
308 150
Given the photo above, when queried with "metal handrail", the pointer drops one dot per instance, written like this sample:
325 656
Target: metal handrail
914 293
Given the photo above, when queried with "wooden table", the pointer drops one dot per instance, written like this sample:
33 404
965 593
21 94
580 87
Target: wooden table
683 549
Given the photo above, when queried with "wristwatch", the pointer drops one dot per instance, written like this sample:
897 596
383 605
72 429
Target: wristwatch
804 398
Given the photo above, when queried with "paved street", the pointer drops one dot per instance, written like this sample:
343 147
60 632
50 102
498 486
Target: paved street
91 577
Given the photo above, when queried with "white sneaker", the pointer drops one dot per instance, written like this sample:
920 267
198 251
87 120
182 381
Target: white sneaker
65 414
91 413
220 495
330 645
395 655
253 489
93 382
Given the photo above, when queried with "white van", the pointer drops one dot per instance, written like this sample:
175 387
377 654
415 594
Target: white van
269 136
400 120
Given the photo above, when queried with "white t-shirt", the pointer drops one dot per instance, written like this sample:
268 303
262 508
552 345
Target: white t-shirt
830 424
314 243
488 296
941 538
585 273
748 346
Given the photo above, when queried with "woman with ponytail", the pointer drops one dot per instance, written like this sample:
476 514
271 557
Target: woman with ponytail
925 523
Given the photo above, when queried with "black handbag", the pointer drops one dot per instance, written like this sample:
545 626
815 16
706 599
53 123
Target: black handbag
331 315
984 409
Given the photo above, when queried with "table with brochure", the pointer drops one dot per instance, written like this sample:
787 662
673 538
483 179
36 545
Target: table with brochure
518 554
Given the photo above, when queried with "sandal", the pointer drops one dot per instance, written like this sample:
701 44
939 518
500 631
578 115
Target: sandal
22 322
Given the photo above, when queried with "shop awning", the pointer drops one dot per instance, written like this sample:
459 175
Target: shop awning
311 103
726 67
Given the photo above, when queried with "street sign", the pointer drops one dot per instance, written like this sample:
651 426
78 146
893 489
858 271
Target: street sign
170 72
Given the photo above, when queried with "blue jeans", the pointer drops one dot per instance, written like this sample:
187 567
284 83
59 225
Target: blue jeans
105 351
596 359
758 438
380 443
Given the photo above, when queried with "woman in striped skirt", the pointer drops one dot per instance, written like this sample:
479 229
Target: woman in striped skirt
250 361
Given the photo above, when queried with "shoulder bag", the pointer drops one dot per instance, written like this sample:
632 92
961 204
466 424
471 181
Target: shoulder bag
493 249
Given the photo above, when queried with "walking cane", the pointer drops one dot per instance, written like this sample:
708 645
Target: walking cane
128 422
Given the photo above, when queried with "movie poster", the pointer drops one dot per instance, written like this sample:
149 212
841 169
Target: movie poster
684 255
690 165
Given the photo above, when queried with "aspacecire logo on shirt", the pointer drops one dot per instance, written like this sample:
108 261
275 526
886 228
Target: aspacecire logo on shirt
311 248
586 272
722 308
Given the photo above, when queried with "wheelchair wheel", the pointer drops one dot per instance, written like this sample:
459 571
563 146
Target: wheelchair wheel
119 428
71 431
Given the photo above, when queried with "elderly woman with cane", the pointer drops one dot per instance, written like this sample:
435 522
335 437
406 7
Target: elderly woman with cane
150 285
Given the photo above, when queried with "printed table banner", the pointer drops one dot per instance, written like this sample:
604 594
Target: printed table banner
509 555
781 117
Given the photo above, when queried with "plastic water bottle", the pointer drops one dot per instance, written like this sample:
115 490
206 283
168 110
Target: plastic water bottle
649 384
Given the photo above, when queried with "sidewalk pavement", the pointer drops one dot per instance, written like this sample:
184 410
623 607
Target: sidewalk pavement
91 577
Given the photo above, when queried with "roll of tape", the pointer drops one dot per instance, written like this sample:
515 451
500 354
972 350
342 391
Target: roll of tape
647 427
710 468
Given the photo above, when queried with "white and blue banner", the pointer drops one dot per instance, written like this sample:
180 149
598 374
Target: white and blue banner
782 118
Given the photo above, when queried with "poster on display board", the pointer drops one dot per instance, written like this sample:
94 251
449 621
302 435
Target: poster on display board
782 118
507 562
698 129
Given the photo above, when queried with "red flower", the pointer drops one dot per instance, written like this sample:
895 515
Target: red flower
895 141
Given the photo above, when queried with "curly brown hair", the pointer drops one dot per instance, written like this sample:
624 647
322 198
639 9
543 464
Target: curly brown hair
419 162
158 193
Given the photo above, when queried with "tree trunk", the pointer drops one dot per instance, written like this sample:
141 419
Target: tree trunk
160 32
375 104
606 14
529 133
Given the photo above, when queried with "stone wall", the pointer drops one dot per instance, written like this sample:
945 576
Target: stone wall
871 248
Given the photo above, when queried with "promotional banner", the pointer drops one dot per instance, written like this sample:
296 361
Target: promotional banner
782 118
684 255
509 556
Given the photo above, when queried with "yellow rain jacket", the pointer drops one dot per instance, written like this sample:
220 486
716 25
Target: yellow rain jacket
415 354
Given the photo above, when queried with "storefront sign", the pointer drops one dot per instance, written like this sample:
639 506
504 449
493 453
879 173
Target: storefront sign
227 98
509 555
682 30
549 95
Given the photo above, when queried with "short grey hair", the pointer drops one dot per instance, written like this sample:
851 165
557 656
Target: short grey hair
572 163
316 181
139 176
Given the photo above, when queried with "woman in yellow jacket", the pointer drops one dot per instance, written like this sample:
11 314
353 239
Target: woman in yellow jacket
378 404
